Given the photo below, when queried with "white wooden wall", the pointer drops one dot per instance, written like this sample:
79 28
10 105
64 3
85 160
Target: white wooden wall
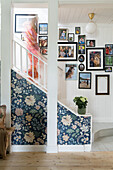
99 106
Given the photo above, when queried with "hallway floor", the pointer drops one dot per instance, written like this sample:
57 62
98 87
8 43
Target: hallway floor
60 161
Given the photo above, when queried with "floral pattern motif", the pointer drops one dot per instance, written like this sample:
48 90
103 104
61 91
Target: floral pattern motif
28 112
72 129
29 117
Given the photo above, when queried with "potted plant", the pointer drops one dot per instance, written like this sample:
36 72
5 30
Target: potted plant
81 102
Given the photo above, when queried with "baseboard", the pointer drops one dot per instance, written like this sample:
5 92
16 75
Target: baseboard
74 148
52 149
28 148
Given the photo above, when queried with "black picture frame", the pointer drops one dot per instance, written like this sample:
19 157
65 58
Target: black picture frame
89 42
77 30
108 63
81 67
81 58
81 39
72 37
67 44
95 51
43 32
108 69
22 18
81 49
63 34
40 42
84 84
97 84
109 49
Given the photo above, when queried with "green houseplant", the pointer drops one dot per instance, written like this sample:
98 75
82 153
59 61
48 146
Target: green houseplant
81 102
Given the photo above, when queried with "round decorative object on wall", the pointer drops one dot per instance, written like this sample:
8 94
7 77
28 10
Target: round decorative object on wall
81 58
81 67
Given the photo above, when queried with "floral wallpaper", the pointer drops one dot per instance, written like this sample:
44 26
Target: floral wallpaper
29 117
72 129
28 112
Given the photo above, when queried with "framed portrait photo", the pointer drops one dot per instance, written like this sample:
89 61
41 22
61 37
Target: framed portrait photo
81 58
71 72
84 80
108 49
102 85
94 59
108 69
67 51
77 30
90 43
81 39
63 34
108 60
71 37
81 49
43 28
81 67
43 41
22 20
44 51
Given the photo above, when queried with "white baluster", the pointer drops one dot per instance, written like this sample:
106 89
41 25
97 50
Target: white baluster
21 58
14 54
39 71
44 76
32 66
27 61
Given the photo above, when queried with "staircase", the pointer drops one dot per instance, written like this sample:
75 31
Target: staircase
29 108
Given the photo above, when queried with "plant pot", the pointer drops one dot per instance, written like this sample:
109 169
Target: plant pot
81 110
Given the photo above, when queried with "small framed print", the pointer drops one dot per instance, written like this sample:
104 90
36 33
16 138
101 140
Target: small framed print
43 41
63 33
81 49
95 59
90 43
81 67
77 30
81 39
108 60
108 69
71 71
44 51
102 84
43 28
67 51
84 80
81 58
109 49
71 37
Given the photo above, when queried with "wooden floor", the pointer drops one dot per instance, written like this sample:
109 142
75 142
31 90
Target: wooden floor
60 161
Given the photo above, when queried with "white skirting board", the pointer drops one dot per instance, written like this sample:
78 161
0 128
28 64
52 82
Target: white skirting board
43 148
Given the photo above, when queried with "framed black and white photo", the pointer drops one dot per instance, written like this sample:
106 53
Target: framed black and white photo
81 67
90 43
102 85
95 59
84 80
22 20
71 37
71 72
81 58
67 51
43 28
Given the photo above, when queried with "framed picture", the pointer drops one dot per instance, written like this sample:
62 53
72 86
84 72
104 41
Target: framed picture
102 84
43 28
81 49
71 71
108 69
90 43
81 39
85 80
22 20
63 34
71 37
43 41
108 49
67 51
108 60
94 59
81 58
77 30
81 67
44 51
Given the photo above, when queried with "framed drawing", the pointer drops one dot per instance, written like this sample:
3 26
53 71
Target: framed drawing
81 39
22 20
108 49
67 51
43 41
77 30
81 58
71 37
63 33
90 43
43 28
102 84
94 59
81 67
71 71
108 60
85 80
108 69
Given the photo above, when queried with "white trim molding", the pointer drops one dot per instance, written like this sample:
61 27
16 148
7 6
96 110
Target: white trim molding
74 148
52 149
28 148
